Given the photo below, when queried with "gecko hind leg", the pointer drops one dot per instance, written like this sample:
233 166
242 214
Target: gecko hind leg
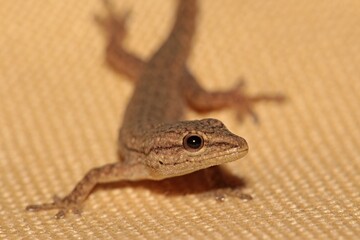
114 26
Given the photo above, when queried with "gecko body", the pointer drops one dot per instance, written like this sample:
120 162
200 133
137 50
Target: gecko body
155 142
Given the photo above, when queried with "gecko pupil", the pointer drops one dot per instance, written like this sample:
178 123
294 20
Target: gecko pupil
193 142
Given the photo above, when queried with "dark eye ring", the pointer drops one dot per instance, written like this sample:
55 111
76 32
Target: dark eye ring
193 142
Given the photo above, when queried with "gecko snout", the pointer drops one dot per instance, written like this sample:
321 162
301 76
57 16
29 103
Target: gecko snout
242 145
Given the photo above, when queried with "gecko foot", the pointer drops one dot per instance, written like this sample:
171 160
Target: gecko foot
221 195
114 24
64 205
244 103
226 194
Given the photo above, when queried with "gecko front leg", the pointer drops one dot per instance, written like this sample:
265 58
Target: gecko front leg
202 100
74 200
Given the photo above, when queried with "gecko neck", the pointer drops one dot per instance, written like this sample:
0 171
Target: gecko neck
156 98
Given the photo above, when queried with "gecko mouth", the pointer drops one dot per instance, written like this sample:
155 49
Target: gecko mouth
189 165
211 160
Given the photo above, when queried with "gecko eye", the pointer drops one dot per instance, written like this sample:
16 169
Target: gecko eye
193 142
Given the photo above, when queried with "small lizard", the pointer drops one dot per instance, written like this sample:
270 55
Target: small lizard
154 142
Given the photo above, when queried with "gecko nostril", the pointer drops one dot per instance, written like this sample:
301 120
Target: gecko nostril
161 162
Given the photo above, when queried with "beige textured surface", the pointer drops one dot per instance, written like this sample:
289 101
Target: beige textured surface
61 108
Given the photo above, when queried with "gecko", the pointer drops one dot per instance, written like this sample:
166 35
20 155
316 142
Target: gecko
155 141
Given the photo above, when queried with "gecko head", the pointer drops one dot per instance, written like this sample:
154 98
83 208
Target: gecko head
187 146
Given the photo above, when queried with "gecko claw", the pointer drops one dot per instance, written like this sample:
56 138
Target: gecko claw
61 214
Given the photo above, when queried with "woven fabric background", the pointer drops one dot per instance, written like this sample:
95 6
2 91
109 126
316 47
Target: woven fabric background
61 107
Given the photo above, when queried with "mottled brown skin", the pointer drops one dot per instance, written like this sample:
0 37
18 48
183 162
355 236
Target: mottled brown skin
151 140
